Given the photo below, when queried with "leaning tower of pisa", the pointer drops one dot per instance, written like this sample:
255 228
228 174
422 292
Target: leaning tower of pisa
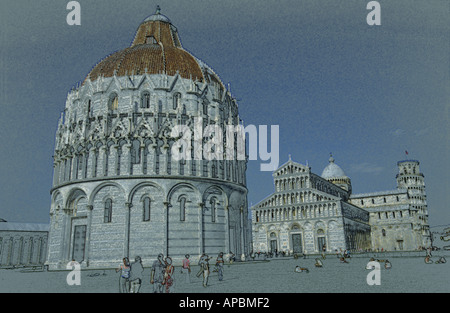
410 178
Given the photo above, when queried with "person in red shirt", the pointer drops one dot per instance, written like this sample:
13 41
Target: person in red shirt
186 268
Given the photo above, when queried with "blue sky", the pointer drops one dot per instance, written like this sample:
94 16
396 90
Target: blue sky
314 67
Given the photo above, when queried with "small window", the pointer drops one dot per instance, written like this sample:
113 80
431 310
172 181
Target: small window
146 209
383 232
113 102
108 211
176 100
205 107
150 40
145 100
89 108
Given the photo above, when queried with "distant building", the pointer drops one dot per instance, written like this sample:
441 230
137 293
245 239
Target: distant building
399 217
22 244
307 212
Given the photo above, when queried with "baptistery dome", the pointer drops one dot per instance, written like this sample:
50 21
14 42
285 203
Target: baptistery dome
156 49
118 189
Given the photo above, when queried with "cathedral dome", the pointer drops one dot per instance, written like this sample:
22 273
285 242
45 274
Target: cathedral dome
332 170
156 49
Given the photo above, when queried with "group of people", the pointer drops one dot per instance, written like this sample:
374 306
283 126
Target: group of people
441 260
131 275
387 264
162 271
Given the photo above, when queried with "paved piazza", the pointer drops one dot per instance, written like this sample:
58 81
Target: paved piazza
408 274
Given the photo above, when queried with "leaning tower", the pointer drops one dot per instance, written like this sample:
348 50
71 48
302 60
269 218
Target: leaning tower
118 190
410 178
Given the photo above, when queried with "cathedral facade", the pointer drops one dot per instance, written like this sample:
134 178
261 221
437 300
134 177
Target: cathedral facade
310 214
117 189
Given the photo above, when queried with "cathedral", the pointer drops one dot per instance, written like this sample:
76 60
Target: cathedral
117 189
312 214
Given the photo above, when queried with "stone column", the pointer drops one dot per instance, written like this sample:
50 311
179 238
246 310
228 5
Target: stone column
242 234
227 229
126 250
88 234
201 239
65 246
166 228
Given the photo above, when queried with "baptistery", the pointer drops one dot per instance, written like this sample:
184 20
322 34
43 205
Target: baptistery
118 189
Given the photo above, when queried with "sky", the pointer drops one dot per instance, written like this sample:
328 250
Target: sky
315 68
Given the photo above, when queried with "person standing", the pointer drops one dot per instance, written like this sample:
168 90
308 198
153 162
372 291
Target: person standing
219 265
204 269
124 283
168 275
186 268
324 250
157 274
136 275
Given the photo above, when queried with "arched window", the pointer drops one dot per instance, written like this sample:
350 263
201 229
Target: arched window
108 211
146 209
89 108
176 100
182 209
205 107
145 100
113 102
383 232
136 152
213 209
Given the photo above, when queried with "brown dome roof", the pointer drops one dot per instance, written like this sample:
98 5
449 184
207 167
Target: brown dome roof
156 49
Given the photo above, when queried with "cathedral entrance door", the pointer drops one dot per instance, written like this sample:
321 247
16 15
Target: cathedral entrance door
297 243
273 246
79 243
320 243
